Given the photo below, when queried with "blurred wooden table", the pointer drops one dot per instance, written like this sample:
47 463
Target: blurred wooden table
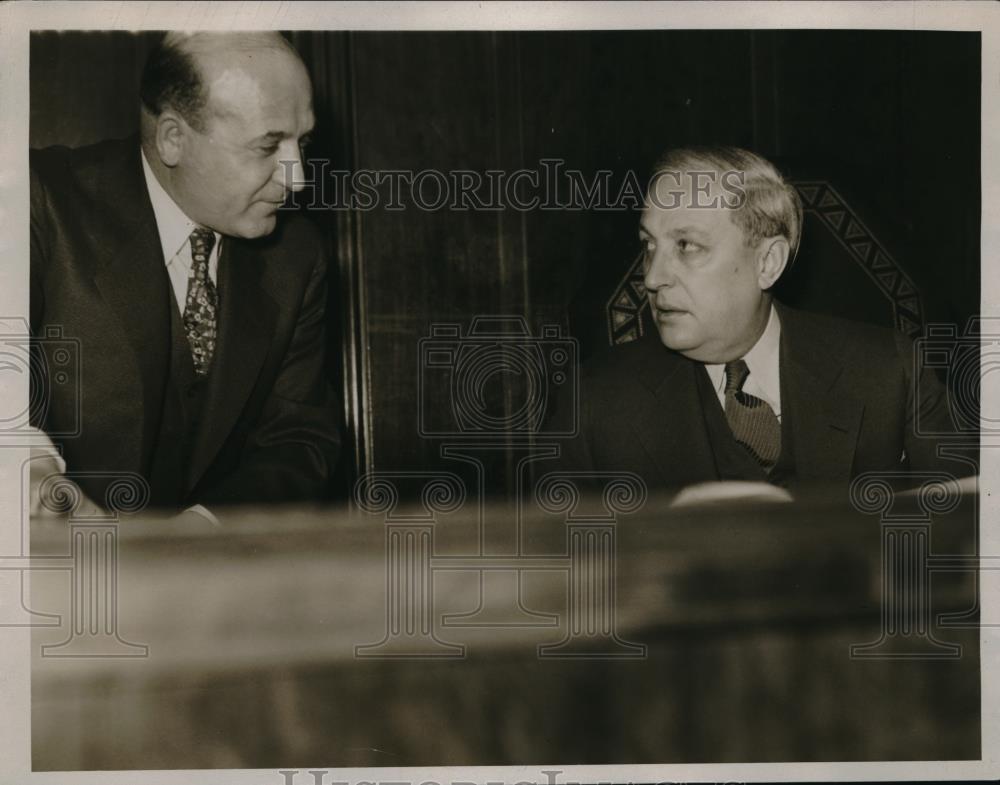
747 616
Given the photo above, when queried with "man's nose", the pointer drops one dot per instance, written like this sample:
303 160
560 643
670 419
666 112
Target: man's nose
290 172
659 272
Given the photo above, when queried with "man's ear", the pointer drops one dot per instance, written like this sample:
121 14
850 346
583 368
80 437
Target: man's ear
772 257
171 133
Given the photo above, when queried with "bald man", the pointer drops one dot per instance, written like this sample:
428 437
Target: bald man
198 310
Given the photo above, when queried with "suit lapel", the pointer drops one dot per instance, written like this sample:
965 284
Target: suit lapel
130 274
825 420
668 423
246 325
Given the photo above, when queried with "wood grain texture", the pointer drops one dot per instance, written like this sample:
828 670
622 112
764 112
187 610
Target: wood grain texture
748 616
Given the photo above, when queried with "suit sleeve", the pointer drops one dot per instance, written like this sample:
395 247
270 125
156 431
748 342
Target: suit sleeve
37 263
291 451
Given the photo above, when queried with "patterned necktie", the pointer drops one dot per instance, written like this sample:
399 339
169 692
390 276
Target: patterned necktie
202 302
753 422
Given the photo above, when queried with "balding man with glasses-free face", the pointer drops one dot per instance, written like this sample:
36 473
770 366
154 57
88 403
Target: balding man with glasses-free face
198 307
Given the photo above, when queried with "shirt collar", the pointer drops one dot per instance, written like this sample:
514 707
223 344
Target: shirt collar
763 361
172 224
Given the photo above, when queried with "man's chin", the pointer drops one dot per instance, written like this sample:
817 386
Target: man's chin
256 229
691 346
675 339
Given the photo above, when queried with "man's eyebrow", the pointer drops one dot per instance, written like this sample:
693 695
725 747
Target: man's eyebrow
270 136
682 230
277 136
687 230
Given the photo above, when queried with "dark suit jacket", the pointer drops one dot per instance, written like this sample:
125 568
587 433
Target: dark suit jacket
848 394
269 430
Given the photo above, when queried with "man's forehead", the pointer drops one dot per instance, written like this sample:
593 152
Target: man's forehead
665 218
693 197
235 87
264 93
689 186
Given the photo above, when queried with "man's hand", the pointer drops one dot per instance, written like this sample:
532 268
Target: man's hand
197 516
729 492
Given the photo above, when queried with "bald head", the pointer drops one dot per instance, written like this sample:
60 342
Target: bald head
181 71
223 119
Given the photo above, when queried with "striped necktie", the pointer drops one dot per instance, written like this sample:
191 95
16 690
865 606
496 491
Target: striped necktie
752 421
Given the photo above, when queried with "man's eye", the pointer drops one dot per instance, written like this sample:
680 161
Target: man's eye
648 246
270 149
686 246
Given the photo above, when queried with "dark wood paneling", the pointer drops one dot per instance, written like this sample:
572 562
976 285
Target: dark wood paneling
893 119
328 58
85 86
442 102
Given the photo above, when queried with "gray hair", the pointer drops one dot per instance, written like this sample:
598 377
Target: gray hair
771 206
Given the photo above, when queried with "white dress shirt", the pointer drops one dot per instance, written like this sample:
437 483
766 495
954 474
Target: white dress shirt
763 361
175 230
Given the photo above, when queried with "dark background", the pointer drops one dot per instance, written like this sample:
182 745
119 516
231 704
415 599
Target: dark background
891 120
